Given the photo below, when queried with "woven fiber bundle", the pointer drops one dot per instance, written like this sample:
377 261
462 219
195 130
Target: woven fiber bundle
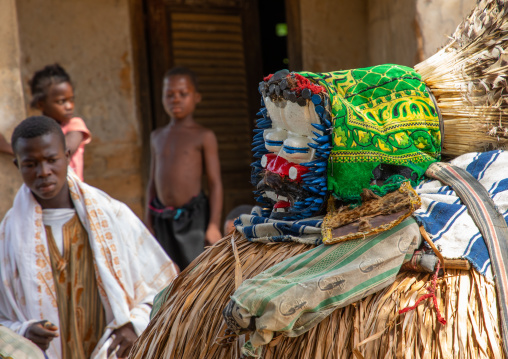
190 322
468 79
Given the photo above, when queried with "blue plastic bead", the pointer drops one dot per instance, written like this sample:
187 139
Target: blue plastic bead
259 154
263 122
316 99
262 112
259 135
319 127
313 190
321 170
326 122
320 109
264 125
262 119
259 147
324 154
323 139
311 163
321 164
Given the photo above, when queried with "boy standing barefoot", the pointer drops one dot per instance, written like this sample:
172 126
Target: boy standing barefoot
177 210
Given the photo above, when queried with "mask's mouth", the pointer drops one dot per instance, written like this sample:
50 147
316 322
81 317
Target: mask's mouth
281 203
281 194
282 206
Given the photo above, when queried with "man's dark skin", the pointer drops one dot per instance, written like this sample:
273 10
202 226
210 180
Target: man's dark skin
42 162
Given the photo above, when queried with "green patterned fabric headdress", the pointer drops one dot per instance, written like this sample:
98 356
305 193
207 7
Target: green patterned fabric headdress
385 125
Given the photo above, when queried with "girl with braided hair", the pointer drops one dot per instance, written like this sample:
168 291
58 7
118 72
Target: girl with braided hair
53 94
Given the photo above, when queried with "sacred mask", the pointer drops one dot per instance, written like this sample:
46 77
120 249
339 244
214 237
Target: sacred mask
292 143
341 133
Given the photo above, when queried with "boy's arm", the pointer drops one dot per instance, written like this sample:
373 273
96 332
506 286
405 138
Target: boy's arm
212 167
150 188
5 147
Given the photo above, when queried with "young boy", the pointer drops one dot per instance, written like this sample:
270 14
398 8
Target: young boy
75 265
177 211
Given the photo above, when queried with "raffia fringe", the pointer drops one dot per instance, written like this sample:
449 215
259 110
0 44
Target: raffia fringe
468 79
190 323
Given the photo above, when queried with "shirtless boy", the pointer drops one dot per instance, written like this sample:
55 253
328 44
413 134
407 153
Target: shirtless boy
177 211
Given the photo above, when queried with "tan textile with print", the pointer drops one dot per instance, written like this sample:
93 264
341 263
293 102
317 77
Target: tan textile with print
82 317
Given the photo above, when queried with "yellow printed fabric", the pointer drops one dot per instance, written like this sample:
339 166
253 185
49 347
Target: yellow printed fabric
381 115
82 316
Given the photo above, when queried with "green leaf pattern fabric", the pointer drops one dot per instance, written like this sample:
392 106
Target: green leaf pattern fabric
381 115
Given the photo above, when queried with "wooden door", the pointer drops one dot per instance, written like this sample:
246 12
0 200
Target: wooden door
219 40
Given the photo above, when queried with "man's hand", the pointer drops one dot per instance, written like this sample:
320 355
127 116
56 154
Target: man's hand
212 235
124 339
42 333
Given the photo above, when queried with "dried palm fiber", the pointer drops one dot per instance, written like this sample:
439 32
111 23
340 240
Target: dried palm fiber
468 79
190 322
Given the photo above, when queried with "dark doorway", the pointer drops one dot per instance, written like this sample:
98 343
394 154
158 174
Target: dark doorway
274 33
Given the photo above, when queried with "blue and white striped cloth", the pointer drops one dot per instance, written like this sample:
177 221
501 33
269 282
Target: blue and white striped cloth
261 229
445 217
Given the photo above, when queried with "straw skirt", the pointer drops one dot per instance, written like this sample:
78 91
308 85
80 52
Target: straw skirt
190 323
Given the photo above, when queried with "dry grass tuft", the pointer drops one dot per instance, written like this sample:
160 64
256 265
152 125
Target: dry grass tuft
468 79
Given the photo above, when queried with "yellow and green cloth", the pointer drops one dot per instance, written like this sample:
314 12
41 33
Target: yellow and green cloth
381 115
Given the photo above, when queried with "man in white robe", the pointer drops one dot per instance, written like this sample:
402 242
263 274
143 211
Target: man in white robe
129 265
